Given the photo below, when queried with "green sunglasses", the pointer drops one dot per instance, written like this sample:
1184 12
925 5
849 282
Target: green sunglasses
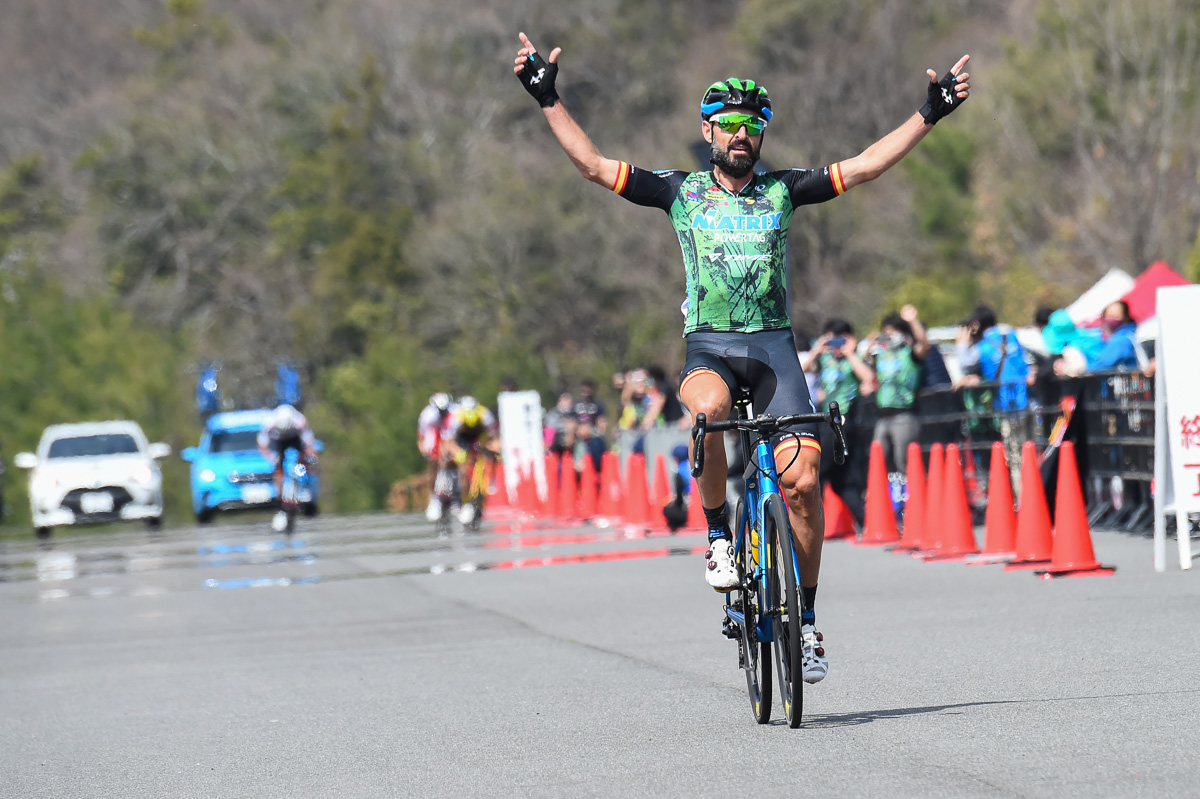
731 122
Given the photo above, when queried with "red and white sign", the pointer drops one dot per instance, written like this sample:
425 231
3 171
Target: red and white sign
1177 402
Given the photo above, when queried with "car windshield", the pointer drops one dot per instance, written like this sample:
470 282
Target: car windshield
233 441
84 446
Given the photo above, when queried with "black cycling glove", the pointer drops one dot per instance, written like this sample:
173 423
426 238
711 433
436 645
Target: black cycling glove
941 99
538 79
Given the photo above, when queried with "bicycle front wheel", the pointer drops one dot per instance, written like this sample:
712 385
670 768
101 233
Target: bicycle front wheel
755 655
785 609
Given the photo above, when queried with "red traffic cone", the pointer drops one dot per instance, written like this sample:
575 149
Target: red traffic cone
1072 555
839 523
663 494
527 491
549 505
637 500
696 519
935 514
568 495
1000 523
610 487
914 509
588 490
498 496
958 536
1034 538
880 526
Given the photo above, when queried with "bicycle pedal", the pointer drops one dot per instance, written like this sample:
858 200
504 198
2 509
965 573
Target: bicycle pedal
729 629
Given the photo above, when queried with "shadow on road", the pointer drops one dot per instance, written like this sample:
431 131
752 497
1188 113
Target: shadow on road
818 721
867 716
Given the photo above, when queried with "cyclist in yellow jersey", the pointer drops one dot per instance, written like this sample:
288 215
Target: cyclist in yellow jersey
471 430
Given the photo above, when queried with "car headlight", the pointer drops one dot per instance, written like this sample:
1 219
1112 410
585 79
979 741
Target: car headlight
207 475
42 483
142 474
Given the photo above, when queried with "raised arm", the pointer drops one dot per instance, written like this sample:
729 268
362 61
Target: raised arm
943 97
537 76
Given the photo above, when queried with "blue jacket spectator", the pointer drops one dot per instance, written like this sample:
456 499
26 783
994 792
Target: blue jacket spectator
991 352
1120 344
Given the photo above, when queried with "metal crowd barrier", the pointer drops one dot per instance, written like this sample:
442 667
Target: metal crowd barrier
1109 416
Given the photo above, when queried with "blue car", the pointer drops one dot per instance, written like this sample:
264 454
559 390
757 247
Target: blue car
229 473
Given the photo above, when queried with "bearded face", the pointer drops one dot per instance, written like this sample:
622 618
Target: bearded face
737 159
735 154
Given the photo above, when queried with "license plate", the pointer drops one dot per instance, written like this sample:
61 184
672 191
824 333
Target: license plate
256 494
96 502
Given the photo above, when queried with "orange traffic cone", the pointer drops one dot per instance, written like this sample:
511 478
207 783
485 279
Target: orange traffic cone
1000 523
610 487
588 495
1034 538
497 496
549 505
935 514
663 494
637 500
568 495
1072 555
527 491
839 523
958 539
880 526
696 519
914 509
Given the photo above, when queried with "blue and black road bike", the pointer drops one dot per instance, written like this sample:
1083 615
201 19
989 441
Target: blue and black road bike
766 606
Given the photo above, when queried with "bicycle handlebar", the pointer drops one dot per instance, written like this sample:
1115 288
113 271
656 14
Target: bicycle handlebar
767 424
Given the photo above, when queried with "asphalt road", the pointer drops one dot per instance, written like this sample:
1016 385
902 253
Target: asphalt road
368 658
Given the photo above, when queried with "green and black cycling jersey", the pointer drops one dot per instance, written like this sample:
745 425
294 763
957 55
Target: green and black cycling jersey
734 245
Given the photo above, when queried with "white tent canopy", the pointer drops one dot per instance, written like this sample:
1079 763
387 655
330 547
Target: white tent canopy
1091 304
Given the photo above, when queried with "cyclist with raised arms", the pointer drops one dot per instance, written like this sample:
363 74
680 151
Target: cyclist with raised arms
732 226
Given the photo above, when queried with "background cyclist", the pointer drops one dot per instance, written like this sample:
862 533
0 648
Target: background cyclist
286 428
471 429
431 422
732 228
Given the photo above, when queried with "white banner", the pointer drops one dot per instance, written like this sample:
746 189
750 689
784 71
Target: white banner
1177 405
521 443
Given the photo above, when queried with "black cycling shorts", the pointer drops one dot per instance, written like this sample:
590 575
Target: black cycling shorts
766 363
281 445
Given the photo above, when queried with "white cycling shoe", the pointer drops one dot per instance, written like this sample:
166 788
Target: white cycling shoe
814 664
719 571
434 511
467 514
279 522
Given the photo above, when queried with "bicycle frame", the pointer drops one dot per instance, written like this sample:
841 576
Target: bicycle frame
762 481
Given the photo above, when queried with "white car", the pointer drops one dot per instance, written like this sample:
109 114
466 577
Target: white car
94 472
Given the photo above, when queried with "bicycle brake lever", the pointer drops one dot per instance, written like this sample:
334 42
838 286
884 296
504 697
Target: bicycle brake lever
836 420
698 444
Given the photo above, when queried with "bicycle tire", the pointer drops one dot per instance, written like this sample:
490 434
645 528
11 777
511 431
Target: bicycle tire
785 615
755 655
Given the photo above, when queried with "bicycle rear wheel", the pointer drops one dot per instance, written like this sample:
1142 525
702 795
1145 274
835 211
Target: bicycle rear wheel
754 655
785 607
